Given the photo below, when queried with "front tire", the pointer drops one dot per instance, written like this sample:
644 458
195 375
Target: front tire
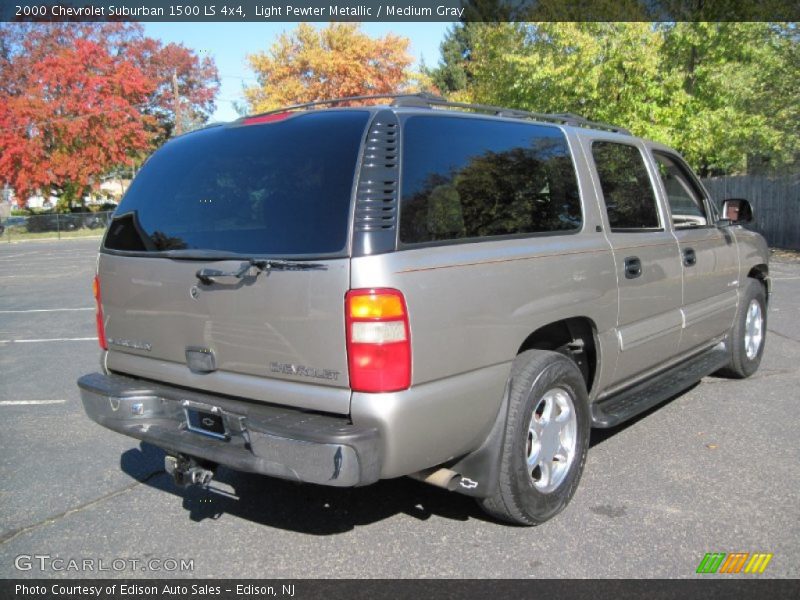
546 439
749 332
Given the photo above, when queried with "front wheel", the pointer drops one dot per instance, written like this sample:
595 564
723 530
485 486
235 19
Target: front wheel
546 439
749 332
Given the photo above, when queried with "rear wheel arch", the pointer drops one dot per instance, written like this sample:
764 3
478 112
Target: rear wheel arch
576 338
483 464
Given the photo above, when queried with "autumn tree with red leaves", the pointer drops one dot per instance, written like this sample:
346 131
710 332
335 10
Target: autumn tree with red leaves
80 99
335 61
170 66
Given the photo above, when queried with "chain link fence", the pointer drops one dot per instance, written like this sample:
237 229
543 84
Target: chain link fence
54 225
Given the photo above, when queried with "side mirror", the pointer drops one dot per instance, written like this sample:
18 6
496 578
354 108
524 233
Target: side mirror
736 211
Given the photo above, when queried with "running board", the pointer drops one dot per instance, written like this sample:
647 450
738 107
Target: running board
628 403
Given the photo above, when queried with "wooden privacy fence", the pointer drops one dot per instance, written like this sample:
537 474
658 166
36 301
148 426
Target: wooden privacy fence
775 200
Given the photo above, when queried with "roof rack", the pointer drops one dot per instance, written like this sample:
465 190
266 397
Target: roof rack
427 100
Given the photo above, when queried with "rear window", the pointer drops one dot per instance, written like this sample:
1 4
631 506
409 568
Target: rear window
475 178
282 188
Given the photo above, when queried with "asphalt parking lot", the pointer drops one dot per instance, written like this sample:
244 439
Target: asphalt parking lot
715 469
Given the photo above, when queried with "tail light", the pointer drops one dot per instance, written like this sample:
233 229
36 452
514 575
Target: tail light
101 328
378 340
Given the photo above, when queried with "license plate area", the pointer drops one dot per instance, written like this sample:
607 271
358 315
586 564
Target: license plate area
206 422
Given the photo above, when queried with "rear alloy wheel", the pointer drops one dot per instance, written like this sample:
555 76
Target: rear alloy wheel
550 450
748 334
546 439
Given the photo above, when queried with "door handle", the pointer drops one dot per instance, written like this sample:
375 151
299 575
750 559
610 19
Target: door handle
633 267
689 257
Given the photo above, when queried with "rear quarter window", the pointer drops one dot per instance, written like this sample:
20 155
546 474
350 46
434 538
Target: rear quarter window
477 178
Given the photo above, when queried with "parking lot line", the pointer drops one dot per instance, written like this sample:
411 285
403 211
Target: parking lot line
49 276
38 310
80 339
29 402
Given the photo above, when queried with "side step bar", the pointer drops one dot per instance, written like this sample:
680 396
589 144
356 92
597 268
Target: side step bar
636 399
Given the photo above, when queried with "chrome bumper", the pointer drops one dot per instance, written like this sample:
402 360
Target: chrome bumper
276 441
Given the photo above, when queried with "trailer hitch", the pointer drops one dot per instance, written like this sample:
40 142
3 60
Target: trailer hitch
186 471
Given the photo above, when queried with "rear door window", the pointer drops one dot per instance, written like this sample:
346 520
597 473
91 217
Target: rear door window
627 189
281 188
477 178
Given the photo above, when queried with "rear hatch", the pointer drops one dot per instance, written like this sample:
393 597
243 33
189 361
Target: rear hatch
226 265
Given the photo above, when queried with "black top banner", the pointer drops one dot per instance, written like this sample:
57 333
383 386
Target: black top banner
400 10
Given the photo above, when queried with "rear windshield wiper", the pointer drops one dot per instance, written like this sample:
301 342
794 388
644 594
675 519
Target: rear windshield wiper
208 276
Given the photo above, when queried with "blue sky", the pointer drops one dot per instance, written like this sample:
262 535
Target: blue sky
230 43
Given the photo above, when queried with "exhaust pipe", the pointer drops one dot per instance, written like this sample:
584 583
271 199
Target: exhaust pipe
186 471
443 478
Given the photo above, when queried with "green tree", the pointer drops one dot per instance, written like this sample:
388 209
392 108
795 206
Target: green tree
736 108
723 94
604 71
451 74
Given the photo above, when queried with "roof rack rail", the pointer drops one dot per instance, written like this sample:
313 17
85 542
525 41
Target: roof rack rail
333 101
563 118
427 100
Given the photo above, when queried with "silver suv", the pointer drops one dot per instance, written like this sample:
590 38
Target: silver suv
452 292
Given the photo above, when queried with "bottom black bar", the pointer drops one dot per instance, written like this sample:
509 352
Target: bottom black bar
731 588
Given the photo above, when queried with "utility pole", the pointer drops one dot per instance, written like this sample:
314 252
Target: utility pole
177 102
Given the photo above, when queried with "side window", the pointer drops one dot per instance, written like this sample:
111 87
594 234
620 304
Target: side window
473 178
684 196
627 189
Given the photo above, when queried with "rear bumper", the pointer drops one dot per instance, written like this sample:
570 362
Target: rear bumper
276 441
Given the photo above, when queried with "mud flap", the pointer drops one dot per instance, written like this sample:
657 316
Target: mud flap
479 471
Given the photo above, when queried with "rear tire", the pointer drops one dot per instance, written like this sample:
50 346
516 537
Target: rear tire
749 332
546 439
